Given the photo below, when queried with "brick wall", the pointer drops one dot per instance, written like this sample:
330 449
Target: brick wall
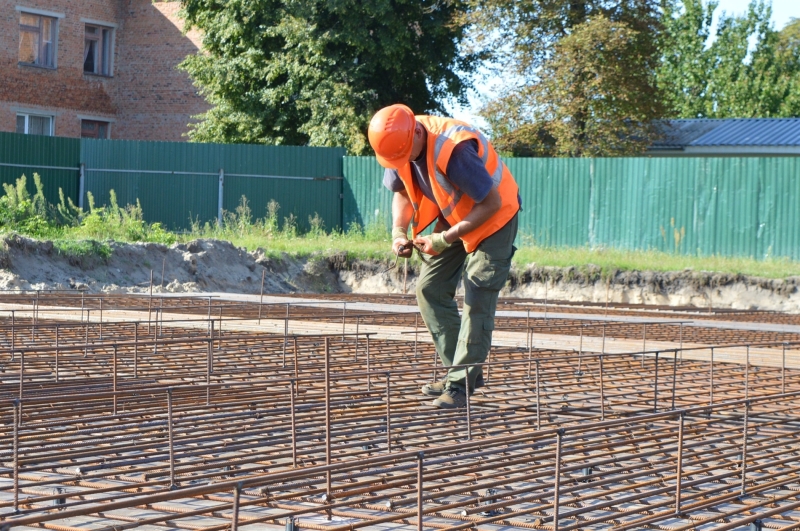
146 98
155 100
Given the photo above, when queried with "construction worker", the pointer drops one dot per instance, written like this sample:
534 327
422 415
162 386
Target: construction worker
445 170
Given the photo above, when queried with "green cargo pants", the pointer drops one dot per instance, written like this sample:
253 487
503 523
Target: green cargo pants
467 339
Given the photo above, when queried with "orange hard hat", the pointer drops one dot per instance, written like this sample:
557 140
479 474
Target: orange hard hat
391 135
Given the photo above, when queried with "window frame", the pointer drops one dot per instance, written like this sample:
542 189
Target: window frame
56 18
28 116
107 42
106 121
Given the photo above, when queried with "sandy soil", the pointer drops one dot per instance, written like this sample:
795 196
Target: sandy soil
214 265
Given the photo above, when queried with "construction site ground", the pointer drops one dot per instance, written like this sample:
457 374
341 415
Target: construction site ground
219 411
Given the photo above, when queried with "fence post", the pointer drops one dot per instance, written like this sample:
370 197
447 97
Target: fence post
81 184
220 195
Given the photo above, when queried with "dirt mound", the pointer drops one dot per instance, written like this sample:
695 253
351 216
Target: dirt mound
671 288
215 265
200 265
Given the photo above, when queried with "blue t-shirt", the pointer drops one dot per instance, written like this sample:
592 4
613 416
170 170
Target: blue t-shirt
465 170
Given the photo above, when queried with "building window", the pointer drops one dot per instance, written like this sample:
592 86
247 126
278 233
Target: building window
37 40
97 50
31 124
94 129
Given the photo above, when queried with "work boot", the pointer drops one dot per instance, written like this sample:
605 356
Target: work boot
452 398
434 388
437 388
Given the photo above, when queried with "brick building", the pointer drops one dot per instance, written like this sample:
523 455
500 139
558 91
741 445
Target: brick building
96 68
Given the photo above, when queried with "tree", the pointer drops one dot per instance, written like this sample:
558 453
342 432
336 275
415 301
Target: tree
313 72
749 71
583 74
597 91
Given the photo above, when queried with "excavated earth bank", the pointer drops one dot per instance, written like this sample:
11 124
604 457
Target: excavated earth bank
214 265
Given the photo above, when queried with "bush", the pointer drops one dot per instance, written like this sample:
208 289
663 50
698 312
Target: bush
34 216
23 213
76 231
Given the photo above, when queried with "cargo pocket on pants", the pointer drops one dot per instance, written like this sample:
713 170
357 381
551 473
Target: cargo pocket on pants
480 333
492 274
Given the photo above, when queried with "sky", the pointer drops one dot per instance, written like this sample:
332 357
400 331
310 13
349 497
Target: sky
782 12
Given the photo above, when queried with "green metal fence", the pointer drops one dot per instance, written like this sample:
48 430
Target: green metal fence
55 159
744 206
179 182
366 201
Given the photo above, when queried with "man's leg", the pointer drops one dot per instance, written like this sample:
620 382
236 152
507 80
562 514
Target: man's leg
436 288
487 272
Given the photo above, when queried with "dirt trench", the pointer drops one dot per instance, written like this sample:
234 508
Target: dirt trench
215 265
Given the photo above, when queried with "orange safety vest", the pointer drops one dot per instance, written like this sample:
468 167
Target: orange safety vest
443 135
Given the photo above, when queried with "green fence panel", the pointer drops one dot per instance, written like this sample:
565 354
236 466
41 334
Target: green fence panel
781 230
177 183
29 154
731 206
298 197
171 199
365 200
555 198
642 204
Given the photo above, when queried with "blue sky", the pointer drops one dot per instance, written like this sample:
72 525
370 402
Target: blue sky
782 12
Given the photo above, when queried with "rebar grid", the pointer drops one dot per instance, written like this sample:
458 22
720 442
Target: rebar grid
92 308
192 429
92 301
619 473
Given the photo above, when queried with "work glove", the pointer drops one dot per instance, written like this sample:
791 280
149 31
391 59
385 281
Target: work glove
400 245
438 242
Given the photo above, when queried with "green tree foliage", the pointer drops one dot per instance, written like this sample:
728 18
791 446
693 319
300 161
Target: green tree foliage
583 72
731 78
314 72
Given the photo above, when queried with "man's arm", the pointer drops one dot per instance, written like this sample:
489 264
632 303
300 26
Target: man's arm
402 211
475 218
479 214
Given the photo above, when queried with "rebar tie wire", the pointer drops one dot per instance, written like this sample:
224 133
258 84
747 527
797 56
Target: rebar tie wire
408 245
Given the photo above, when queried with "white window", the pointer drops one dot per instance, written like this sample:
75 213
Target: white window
97 50
95 129
31 124
37 39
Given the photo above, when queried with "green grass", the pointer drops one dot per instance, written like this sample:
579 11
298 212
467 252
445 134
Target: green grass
83 248
83 235
609 260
